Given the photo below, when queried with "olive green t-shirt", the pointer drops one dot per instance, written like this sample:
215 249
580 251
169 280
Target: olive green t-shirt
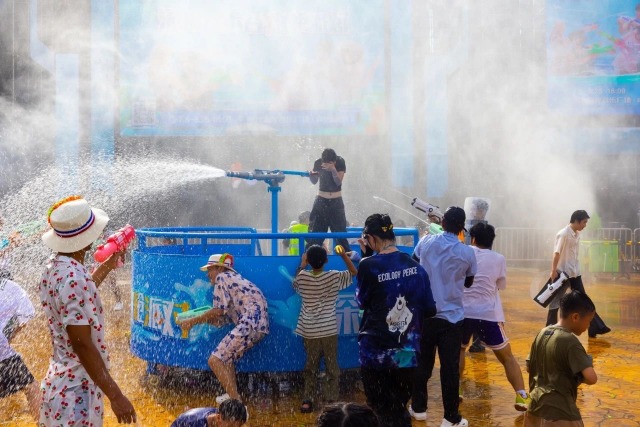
556 359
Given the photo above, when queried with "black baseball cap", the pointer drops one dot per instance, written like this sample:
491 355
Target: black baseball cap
455 215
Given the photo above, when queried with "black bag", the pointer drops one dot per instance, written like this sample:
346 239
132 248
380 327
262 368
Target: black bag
550 290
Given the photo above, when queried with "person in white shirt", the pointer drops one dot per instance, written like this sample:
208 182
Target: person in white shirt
565 258
16 310
483 314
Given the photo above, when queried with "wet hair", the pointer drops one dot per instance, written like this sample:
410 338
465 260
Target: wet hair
379 225
329 155
453 219
576 302
233 410
347 415
578 216
484 234
303 218
316 256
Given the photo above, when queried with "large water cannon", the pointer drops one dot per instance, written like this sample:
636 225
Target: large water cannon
272 178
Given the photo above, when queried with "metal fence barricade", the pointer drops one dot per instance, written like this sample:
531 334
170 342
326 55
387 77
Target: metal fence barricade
525 245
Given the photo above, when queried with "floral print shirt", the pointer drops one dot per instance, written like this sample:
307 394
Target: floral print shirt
69 296
242 301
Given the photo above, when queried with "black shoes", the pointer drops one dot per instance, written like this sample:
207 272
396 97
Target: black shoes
604 330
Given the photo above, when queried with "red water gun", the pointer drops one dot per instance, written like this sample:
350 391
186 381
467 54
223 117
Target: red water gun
117 242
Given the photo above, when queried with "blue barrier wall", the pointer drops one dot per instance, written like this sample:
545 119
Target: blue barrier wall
167 281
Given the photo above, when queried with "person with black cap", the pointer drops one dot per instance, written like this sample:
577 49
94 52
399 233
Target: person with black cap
451 266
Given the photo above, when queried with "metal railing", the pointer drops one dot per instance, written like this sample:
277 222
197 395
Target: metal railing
535 245
525 244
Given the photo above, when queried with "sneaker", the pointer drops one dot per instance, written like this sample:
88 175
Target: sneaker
418 416
118 306
222 398
522 403
462 423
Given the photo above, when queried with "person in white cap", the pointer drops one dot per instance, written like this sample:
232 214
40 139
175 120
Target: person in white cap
242 301
78 374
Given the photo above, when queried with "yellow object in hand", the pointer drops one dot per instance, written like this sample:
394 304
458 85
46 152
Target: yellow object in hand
339 249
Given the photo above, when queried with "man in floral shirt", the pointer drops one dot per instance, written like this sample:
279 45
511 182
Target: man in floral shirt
78 373
242 301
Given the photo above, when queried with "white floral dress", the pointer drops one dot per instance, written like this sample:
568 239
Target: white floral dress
69 296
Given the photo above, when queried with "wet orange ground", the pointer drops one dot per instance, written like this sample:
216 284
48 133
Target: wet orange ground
613 401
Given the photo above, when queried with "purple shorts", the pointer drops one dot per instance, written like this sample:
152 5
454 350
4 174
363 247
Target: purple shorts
490 333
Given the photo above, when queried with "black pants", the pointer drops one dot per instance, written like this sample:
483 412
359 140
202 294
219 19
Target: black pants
328 214
388 392
596 326
446 337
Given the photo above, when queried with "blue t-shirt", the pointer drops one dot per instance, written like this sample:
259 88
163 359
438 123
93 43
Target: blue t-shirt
448 263
394 292
196 417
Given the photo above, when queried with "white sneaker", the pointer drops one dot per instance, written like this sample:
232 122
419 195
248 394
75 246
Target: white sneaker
463 423
118 306
222 398
418 416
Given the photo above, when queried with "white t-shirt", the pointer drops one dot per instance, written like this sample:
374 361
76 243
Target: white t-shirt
14 304
482 299
567 245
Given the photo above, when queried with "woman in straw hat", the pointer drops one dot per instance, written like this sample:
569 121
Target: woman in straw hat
78 373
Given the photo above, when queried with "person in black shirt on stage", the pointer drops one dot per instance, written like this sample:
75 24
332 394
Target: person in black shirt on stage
328 207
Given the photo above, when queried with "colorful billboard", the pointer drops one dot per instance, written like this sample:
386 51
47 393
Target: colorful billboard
593 56
279 67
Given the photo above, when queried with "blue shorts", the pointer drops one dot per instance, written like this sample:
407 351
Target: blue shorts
490 333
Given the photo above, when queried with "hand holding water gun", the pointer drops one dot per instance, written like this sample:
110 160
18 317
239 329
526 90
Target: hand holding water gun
117 242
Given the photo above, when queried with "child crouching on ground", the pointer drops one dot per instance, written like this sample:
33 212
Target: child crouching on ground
317 323
558 364
231 413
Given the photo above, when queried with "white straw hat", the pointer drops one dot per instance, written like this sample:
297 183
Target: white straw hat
219 260
74 225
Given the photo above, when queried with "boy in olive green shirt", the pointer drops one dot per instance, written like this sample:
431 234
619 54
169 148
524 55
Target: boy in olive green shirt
558 364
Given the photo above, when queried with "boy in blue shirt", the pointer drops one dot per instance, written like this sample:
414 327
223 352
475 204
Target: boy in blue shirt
232 413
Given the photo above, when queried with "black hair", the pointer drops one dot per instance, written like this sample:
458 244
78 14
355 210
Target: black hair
484 234
347 415
453 219
316 256
576 302
329 155
379 225
578 216
233 410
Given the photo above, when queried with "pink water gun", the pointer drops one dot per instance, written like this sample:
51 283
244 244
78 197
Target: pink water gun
117 242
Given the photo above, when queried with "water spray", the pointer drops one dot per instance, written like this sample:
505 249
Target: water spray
398 207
